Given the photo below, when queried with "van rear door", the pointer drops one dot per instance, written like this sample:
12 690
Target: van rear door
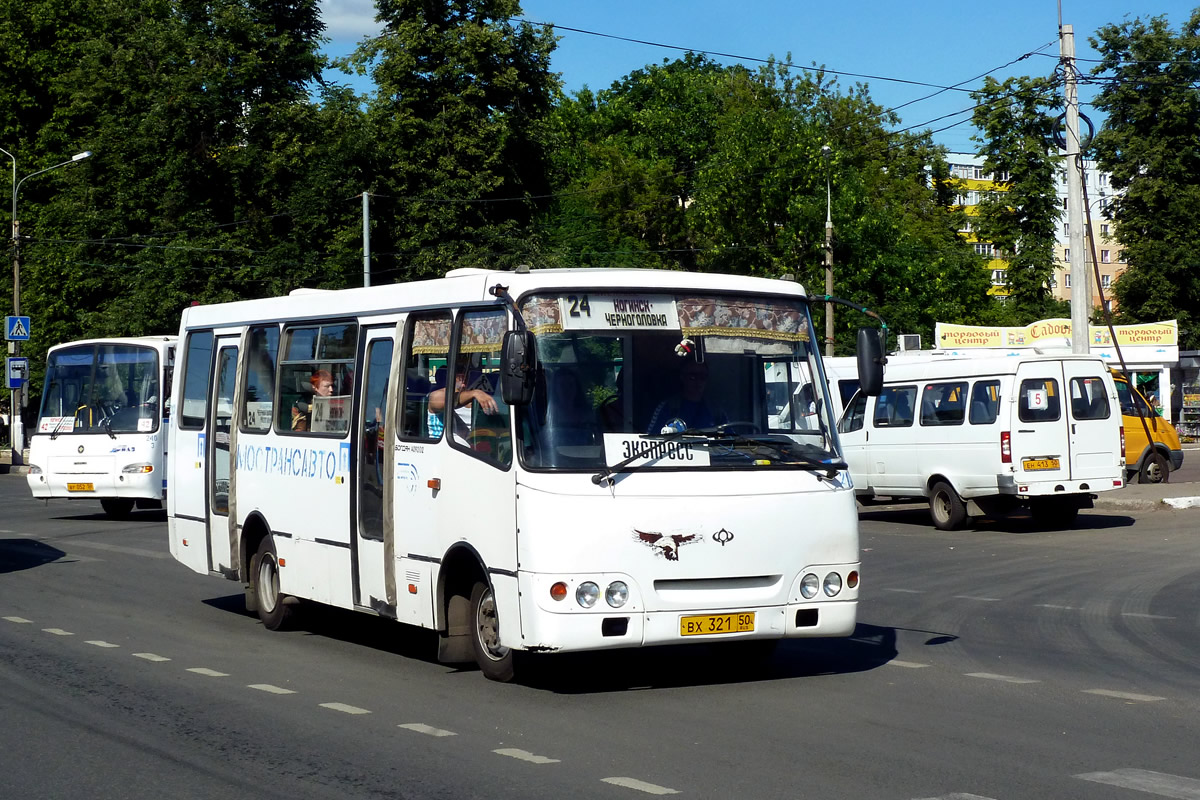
1095 421
1040 433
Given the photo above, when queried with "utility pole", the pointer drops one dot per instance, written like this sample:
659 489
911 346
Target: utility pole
1081 294
366 198
827 154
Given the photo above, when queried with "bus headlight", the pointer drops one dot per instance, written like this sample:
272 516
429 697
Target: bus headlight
587 594
833 584
809 585
617 594
138 469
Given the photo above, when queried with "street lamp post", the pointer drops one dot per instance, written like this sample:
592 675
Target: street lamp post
17 426
827 155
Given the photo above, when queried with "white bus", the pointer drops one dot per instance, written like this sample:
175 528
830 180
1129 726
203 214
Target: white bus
313 458
101 433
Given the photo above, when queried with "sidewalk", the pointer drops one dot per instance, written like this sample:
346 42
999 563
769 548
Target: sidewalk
6 467
1150 496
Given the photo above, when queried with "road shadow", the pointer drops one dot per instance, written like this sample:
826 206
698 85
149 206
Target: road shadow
148 515
20 554
1019 522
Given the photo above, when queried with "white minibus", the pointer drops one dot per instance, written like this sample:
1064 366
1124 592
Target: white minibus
987 435
526 462
101 433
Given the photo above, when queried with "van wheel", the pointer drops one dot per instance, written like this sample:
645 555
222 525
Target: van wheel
274 608
1155 469
495 661
948 510
116 507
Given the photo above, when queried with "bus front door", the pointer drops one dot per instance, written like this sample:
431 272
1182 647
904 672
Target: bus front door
371 553
220 426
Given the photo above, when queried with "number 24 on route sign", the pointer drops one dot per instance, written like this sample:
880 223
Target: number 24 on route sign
16 329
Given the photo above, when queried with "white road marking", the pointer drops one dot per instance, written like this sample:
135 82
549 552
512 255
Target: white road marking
20 620
641 786
958 796
150 657
908 664
58 631
212 673
345 709
99 643
991 676
1143 780
980 599
1144 698
905 591
1143 616
266 687
428 730
1059 608
524 755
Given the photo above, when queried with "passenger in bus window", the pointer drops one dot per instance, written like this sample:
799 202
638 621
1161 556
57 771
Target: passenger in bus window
463 397
322 386
689 405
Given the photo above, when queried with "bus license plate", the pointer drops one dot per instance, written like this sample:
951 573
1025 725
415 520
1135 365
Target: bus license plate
80 487
709 624
1041 463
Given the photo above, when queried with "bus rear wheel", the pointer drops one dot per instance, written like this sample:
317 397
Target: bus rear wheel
495 661
116 507
274 608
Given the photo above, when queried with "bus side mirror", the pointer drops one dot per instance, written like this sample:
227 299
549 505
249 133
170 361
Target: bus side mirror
517 368
870 361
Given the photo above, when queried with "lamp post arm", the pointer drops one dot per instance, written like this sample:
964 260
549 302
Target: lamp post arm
14 183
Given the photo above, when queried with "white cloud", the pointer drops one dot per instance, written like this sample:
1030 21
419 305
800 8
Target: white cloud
349 19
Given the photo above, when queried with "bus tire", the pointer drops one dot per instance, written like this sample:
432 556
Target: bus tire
495 661
116 507
274 608
946 508
1155 469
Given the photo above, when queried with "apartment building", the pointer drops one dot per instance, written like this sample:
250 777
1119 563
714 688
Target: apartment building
974 183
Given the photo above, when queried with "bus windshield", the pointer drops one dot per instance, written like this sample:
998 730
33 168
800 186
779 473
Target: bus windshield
691 380
100 388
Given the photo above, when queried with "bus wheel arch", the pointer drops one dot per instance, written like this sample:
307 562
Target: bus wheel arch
461 569
253 532
275 609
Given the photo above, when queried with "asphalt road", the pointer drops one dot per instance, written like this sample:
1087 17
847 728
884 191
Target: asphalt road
998 662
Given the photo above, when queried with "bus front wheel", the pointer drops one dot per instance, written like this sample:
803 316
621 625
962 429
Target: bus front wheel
273 607
495 660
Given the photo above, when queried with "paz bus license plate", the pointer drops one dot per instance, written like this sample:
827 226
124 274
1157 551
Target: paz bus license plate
1040 463
708 624
80 487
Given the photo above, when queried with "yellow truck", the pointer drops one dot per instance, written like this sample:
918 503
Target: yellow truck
1151 460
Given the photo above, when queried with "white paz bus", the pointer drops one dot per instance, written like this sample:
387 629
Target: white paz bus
101 434
529 462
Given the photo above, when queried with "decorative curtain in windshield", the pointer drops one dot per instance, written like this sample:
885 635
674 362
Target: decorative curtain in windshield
543 315
482 332
431 336
757 317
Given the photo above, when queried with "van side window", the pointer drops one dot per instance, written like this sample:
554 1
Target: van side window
1088 399
985 402
856 412
1038 400
944 403
894 407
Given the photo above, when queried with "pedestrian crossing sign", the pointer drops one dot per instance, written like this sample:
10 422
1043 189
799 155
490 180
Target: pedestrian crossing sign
16 329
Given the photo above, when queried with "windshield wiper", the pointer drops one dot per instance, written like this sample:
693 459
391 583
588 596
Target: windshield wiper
107 423
57 427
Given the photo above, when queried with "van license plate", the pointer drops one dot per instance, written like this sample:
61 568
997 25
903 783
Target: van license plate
1041 463
708 624
81 487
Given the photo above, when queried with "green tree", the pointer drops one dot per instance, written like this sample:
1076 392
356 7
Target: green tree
459 90
1148 141
1015 125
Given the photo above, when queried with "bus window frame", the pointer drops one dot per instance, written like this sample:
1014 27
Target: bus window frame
320 324
451 365
183 385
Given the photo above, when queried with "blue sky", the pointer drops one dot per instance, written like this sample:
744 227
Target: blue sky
941 42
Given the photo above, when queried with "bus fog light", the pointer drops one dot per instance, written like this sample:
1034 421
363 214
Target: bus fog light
587 594
809 585
559 591
833 584
617 594
138 469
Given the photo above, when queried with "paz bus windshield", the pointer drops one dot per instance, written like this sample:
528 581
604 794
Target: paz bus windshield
732 380
101 388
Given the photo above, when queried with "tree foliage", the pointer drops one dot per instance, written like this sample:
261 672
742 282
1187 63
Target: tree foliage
1148 143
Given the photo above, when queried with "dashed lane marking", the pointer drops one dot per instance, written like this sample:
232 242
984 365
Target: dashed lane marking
1143 616
979 599
266 687
20 620
641 786
524 755
1056 608
151 657
58 631
345 709
428 730
907 664
1142 698
905 591
1143 780
212 673
958 796
991 676
99 643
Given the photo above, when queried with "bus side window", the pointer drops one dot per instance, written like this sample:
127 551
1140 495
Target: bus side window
261 353
426 348
477 362
197 364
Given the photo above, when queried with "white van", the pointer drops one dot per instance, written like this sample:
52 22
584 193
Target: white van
987 435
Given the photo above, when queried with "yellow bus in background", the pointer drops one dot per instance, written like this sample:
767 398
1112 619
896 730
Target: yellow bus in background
1151 459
